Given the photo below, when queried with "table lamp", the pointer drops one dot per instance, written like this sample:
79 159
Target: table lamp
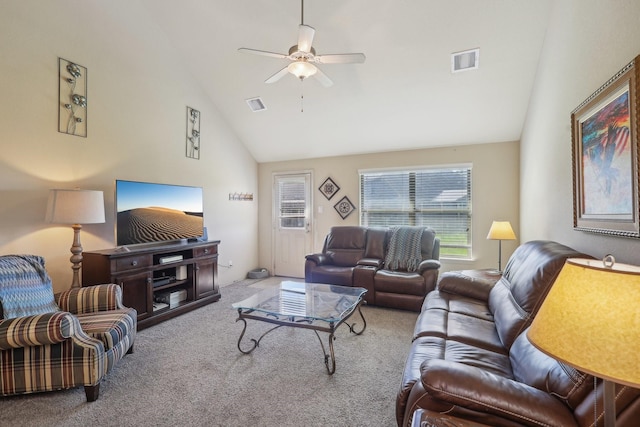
501 230
75 207
590 321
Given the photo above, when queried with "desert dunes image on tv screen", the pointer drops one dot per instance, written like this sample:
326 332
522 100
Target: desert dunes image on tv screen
148 212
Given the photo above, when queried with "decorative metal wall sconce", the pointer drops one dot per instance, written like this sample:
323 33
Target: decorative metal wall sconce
72 98
193 133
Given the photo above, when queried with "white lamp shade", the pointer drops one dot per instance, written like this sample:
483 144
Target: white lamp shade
501 230
75 207
302 69
590 320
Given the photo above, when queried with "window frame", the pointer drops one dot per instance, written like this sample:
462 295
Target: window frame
413 212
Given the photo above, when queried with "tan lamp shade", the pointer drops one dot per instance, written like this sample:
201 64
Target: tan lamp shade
591 320
75 207
501 230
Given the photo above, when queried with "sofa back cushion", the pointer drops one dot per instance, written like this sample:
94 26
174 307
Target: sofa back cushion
25 286
345 245
430 245
377 242
533 367
527 278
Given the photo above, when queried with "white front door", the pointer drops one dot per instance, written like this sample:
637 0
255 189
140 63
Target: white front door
291 223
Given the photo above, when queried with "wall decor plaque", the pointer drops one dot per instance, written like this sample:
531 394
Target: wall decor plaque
329 188
344 207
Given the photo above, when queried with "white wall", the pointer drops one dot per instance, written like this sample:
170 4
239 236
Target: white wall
138 91
587 42
495 193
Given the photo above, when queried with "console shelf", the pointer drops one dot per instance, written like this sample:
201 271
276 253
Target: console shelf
186 271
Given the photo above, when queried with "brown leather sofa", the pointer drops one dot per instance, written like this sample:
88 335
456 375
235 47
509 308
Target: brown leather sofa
355 256
470 357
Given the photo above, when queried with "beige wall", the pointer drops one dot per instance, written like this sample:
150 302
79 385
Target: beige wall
138 91
495 192
587 42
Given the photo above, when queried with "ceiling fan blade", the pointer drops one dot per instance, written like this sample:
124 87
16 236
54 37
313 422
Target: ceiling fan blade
341 58
322 78
262 52
305 38
277 76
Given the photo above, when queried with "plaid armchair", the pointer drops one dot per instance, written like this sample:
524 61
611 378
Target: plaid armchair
56 342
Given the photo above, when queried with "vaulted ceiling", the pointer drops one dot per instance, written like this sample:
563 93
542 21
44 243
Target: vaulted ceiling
404 96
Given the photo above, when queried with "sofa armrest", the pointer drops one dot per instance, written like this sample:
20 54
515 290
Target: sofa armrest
471 283
371 262
91 299
319 259
428 264
37 330
476 389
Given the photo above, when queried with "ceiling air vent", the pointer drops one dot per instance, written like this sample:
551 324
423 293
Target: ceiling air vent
256 104
465 61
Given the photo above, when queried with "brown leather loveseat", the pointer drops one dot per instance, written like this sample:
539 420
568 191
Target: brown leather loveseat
355 256
471 359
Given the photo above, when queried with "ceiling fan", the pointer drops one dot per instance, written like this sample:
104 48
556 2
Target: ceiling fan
303 57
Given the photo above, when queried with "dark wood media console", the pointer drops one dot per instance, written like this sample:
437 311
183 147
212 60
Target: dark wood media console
183 275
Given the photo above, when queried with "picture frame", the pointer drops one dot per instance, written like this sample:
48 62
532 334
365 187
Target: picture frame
328 188
604 132
344 207
193 133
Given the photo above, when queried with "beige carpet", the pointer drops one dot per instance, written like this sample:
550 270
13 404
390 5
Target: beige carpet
188 372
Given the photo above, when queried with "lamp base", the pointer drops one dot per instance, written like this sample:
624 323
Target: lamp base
76 258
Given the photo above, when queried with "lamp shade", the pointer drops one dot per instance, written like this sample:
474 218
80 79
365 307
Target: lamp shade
75 207
501 230
590 320
302 69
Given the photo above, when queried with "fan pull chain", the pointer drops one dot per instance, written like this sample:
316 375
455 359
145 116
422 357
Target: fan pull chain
301 97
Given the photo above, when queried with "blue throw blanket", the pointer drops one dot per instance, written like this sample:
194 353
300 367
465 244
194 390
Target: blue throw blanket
405 249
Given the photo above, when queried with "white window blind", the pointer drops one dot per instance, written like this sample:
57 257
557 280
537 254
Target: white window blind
291 202
439 198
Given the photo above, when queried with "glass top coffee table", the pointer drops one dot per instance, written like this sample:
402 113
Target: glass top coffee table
315 306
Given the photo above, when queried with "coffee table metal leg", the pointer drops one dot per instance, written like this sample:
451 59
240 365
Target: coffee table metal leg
328 357
352 325
256 343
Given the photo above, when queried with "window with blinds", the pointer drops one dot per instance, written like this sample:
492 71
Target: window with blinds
439 198
291 202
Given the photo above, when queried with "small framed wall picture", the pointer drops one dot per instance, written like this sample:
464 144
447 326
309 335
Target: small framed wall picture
344 207
329 188
193 133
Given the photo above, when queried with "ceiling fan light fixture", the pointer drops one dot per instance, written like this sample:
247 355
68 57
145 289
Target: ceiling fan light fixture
302 69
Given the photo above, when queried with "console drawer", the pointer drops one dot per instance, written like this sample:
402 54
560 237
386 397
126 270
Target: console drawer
205 251
133 262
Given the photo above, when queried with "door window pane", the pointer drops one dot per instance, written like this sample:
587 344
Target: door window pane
291 203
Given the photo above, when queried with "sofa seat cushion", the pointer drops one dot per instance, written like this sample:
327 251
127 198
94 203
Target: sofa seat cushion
110 327
333 275
459 327
400 282
457 304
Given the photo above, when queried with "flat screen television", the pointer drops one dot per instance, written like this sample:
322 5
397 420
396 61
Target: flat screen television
149 212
